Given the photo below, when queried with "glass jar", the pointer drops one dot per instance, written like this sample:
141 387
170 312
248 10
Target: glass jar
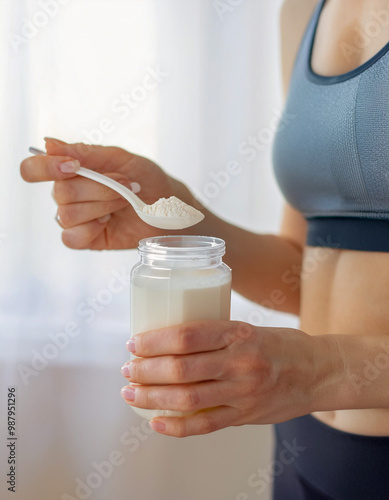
178 279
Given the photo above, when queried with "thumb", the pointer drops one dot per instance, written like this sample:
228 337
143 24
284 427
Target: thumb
55 146
88 155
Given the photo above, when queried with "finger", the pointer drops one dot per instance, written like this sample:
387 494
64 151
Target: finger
74 214
89 235
48 168
80 189
177 369
58 219
102 158
203 422
197 336
184 397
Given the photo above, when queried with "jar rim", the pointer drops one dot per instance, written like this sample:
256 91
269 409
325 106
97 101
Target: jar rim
182 247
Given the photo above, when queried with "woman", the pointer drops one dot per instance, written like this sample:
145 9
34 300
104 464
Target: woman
326 385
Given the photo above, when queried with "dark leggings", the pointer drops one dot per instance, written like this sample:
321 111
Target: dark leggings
313 461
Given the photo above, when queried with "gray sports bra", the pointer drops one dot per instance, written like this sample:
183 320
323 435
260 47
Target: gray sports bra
331 154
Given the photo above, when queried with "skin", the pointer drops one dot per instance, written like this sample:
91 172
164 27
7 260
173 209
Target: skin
232 373
348 291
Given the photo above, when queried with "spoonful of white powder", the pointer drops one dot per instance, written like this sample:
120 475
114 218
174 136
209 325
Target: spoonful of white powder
170 213
170 207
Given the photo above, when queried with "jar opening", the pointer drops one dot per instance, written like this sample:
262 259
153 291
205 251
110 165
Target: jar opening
182 247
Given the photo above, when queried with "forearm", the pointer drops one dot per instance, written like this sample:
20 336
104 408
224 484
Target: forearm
261 263
355 373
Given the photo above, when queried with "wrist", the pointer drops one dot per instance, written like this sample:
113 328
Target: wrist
330 389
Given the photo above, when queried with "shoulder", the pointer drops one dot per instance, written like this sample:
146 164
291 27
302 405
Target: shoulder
294 17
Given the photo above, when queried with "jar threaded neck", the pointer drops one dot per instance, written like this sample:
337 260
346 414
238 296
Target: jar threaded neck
194 249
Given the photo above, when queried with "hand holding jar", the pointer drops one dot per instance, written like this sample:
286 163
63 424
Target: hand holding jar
229 373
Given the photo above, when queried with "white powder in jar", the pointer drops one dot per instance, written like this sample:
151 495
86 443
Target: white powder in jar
171 207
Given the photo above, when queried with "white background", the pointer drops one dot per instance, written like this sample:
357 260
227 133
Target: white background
222 86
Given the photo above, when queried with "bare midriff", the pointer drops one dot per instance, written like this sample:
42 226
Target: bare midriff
347 292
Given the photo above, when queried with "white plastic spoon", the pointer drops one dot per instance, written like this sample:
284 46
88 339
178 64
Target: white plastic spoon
162 222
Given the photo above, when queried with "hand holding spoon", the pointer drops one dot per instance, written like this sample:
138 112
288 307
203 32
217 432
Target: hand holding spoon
189 216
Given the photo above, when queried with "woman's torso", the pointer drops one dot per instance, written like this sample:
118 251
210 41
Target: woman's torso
345 291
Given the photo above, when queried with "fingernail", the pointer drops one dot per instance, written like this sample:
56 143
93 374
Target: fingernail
133 186
130 344
104 219
70 166
128 393
157 426
125 370
56 141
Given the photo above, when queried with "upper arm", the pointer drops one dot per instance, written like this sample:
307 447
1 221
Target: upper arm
294 18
